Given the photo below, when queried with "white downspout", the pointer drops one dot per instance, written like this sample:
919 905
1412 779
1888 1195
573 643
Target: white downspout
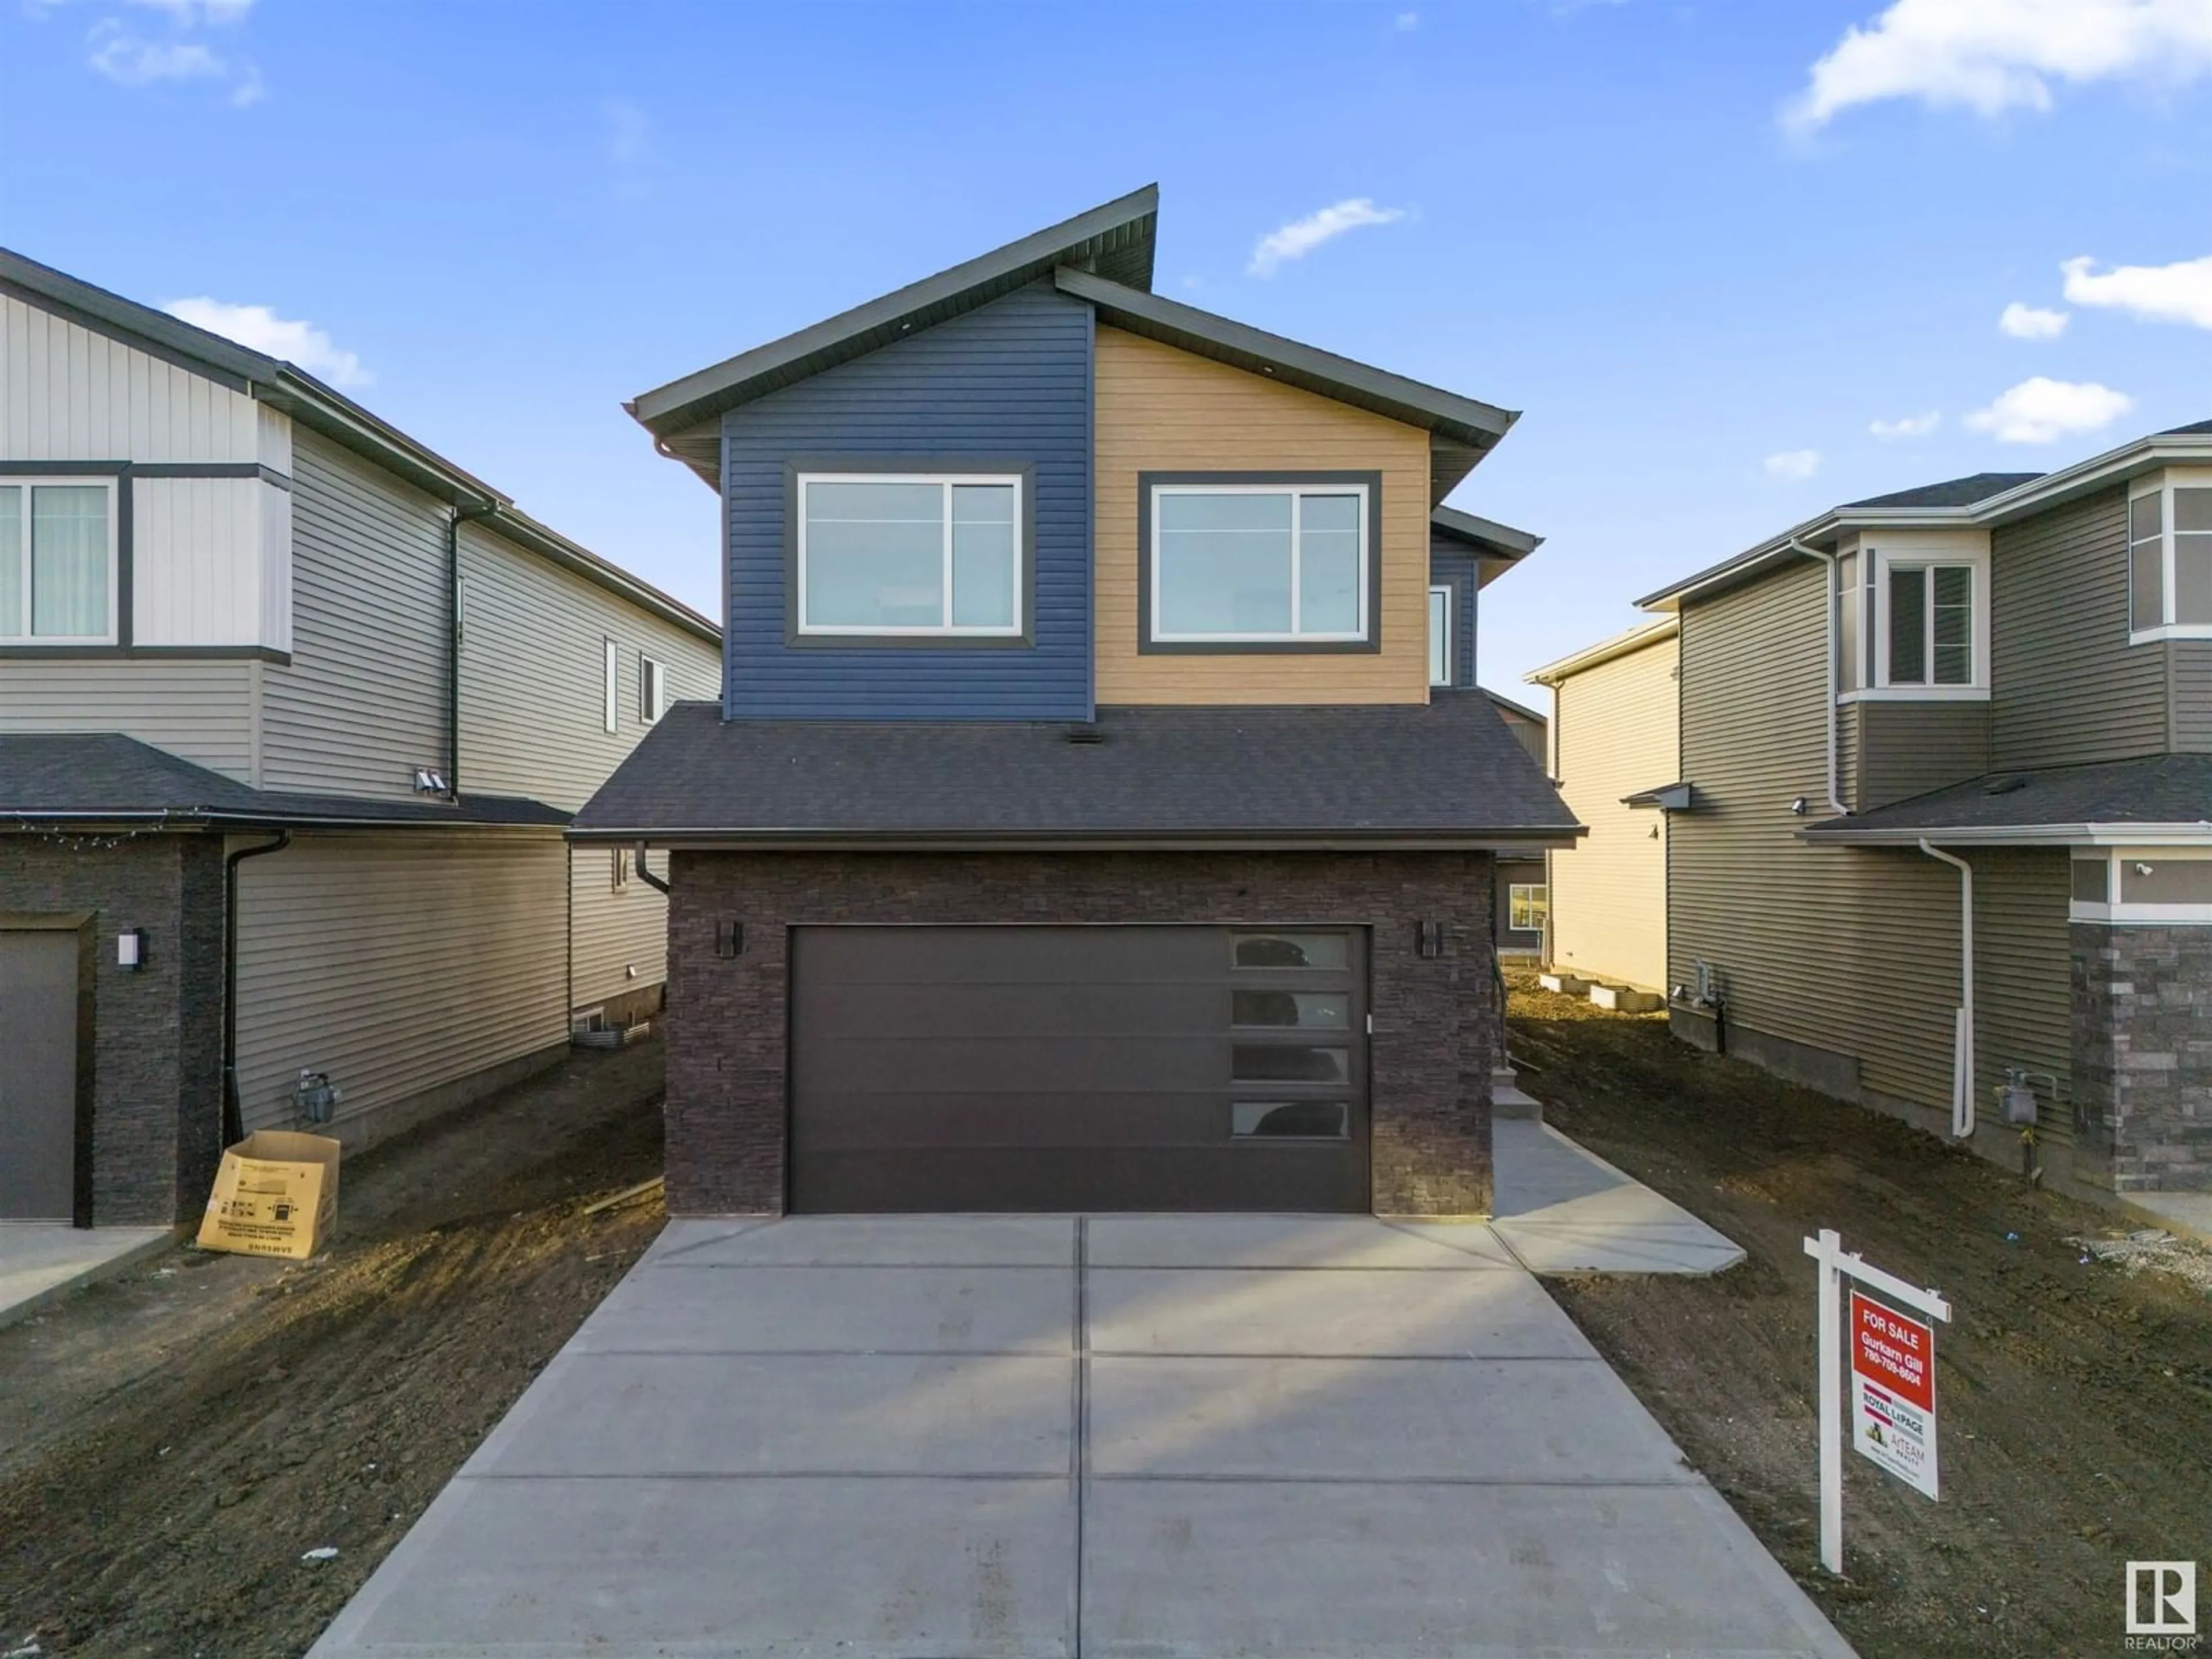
1835 787
1962 1033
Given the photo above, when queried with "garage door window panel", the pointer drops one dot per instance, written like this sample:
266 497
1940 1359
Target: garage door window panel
1266 1009
1291 1120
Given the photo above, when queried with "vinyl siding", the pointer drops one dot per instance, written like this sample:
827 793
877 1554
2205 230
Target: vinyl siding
209 559
200 711
362 702
2191 664
1853 951
532 676
2066 685
1452 564
1163 409
396 965
1615 731
1008 382
73 394
2023 979
1900 750
615 931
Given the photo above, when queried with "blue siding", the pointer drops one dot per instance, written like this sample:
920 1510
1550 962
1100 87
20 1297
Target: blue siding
1450 562
1009 381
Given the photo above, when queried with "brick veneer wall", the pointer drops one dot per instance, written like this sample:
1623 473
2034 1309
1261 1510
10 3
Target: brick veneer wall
1436 1018
157 1033
2142 1054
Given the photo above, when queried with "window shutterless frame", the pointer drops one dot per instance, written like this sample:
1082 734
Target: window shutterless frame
1879 569
1013 630
1368 486
2169 538
610 685
651 690
18 608
1440 636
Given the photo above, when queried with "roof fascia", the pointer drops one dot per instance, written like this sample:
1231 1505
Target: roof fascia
1655 632
705 838
2019 835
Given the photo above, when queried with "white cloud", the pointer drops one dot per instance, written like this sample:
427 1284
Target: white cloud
259 329
1909 426
1405 21
129 60
186 13
1792 463
1302 236
2178 293
2041 410
1990 55
2026 322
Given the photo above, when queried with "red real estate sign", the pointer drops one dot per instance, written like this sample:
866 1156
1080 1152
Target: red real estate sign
1893 1391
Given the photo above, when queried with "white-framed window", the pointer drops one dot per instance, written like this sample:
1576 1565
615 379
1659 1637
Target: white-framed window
652 689
890 554
2154 886
1911 624
2170 560
58 561
621 863
610 667
1440 636
1527 906
1260 563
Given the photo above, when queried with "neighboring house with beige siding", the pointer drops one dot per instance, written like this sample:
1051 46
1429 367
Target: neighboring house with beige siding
1945 837
1616 746
293 714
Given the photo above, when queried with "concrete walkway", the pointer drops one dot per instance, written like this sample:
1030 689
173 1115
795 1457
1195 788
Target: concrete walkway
1561 1209
1141 1437
41 1261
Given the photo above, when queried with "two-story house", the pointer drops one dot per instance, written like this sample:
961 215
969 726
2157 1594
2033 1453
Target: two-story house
1083 825
1946 831
293 713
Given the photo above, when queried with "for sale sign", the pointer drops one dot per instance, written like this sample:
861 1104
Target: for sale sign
1893 1391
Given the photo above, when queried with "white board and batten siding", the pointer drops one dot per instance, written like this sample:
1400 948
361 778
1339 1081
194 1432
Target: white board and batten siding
397 964
211 562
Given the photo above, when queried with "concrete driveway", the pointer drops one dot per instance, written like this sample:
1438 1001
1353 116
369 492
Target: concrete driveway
965 1438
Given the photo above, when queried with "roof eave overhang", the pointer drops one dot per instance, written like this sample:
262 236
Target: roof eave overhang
1639 638
708 839
190 820
2016 834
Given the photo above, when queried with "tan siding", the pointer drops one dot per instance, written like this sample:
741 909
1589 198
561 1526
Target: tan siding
72 394
533 680
199 711
1848 950
615 932
1158 408
1907 749
1616 731
2192 694
2023 979
2067 687
363 701
396 965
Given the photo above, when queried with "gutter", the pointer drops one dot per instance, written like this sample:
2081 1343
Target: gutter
644 872
1962 1024
1106 840
2022 834
234 1113
1828 694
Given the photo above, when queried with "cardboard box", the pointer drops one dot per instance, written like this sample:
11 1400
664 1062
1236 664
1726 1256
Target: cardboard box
276 1193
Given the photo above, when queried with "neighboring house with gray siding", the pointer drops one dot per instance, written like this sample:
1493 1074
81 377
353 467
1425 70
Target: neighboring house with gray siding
1949 822
262 656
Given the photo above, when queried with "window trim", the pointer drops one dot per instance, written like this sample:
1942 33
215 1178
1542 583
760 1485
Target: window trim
2116 911
610 685
1875 563
1372 554
103 475
2162 485
1514 889
1022 475
1449 592
651 690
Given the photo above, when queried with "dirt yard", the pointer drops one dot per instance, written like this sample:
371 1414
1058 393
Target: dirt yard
2074 1401
172 1442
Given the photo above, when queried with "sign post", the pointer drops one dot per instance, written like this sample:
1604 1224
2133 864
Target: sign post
1893 1369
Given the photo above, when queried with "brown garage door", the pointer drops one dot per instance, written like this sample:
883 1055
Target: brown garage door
1078 1068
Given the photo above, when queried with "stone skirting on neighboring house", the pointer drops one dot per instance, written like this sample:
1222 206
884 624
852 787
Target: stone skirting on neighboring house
2142 1054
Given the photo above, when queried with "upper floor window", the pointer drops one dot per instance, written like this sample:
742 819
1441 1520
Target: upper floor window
2170 563
651 690
1440 636
1236 564
58 563
905 555
1932 624
1911 624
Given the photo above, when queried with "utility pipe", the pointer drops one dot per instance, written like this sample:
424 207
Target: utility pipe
645 871
1835 790
1962 1031
233 1115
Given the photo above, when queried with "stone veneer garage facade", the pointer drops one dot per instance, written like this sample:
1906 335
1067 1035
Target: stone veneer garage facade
1436 1032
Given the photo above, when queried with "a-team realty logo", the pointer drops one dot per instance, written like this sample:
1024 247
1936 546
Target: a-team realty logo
2162 1607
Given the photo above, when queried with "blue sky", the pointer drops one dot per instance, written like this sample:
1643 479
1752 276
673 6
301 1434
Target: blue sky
1704 246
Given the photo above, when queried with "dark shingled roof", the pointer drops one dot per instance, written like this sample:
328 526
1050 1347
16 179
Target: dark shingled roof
1448 770
2160 789
1952 492
104 777
2189 431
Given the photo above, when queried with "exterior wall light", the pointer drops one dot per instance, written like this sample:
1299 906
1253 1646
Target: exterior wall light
131 950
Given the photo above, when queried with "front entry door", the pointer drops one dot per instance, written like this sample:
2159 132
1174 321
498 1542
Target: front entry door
37 1075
